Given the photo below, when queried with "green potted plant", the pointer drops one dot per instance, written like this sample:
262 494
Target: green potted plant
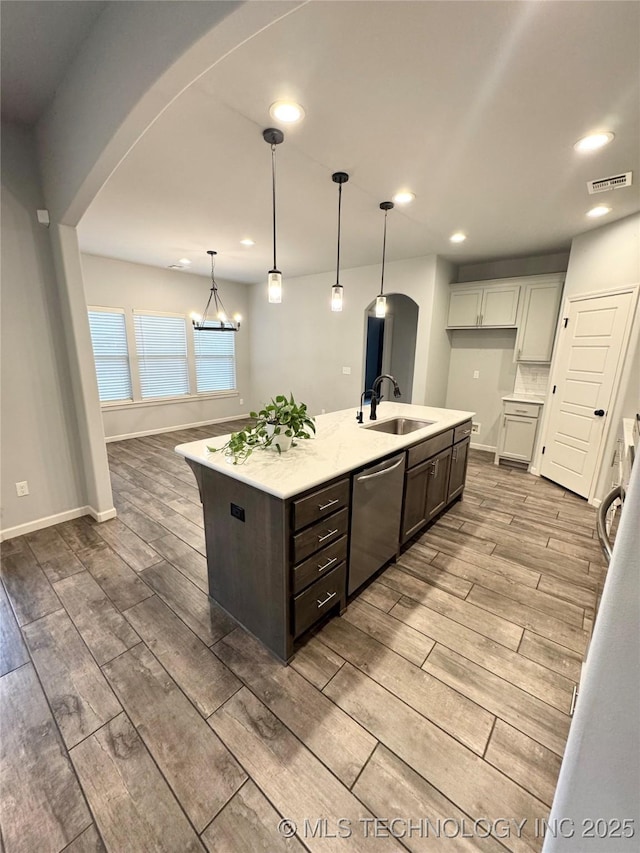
277 425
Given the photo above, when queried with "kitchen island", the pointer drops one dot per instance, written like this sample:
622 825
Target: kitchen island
277 527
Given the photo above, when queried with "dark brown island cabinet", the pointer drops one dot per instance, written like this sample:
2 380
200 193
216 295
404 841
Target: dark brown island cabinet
279 566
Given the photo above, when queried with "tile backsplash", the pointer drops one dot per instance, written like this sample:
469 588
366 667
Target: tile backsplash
532 379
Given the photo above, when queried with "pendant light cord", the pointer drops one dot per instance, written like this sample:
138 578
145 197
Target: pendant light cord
384 250
273 190
339 212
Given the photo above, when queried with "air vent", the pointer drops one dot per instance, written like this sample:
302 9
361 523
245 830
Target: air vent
613 183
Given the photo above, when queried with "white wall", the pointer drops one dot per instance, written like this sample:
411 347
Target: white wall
301 345
118 284
489 351
437 376
535 265
602 260
38 418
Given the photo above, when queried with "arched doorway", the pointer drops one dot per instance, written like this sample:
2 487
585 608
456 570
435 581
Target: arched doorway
391 343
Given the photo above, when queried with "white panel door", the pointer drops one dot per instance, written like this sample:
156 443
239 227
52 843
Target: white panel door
589 356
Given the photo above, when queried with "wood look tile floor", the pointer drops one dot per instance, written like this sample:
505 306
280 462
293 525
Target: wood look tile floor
137 716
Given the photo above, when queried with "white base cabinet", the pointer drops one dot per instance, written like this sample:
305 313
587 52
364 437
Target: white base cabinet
518 430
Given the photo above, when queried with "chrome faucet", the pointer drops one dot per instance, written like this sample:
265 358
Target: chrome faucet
376 396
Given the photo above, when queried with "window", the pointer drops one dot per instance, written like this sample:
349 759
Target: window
111 354
161 342
215 361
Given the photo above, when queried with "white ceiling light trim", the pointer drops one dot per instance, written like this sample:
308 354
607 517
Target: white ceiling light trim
404 197
594 141
287 112
458 237
599 210
247 241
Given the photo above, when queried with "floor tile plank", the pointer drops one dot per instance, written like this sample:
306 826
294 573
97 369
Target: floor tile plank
87 842
336 739
199 768
194 607
316 662
191 563
42 807
118 580
248 823
192 665
399 637
132 804
411 562
79 533
127 544
105 631
46 543
13 652
528 714
30 593
291 777
389 787
379 596
458 773
524 760
61 567
555 657
80 698
459 717
473 617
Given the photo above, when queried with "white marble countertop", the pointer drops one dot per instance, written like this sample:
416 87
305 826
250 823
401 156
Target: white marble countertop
340 445
524 398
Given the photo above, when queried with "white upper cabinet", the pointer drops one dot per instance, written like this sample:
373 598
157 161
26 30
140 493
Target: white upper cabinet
486 304
538 320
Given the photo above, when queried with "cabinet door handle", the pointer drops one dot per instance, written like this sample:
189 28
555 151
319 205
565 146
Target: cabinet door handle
327 564
327 599
434 468
518 355
481 318
327 535
327 505
455 454
477 319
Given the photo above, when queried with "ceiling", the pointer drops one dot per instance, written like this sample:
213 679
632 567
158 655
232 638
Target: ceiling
475 107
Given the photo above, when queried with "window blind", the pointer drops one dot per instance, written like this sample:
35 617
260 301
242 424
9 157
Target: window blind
111 355
161 342
215 361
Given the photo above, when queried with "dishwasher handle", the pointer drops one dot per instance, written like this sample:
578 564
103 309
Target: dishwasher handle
601 521
380 473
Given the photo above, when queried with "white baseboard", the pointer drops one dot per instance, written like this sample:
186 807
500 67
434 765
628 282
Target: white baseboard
491 448
111 438
102 516
47 521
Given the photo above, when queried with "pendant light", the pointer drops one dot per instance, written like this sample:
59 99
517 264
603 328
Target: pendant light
221 322
339 178
274 137
381 300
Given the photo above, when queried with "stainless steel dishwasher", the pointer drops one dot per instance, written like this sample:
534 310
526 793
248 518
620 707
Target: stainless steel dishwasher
376 507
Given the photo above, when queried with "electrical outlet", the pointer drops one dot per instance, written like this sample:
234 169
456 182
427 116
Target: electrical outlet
475 428
346 371
476 374
241 402
322 411
22 489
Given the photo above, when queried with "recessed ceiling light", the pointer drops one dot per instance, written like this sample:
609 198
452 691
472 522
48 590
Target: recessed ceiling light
404 197
458 237
593 141
286 111
248 242
599 210
184 261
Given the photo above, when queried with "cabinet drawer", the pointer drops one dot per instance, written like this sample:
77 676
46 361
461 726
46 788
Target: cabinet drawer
529 410
319 564
419 452
319 504
462 431
318 599
319 535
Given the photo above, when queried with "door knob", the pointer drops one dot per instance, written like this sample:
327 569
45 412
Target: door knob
599 413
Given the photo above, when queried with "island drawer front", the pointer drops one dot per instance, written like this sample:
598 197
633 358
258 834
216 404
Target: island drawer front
320 535
530 410
426 449
320 504
319 564
462 431
318 599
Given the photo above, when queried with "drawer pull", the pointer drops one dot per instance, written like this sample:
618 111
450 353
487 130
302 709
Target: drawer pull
327 564
327 505
327 599
467 431
522 411
327 535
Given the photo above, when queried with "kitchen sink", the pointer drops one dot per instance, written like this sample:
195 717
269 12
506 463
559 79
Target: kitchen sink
398 426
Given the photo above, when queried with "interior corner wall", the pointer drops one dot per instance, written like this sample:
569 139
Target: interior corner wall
301 346
509 267
37 415
111 283
439 358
